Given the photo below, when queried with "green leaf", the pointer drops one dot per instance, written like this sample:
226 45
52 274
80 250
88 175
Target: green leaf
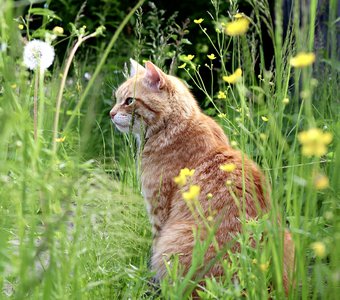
332 63
44 12
186 41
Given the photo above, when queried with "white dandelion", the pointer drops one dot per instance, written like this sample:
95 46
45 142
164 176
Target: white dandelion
38 53
3 47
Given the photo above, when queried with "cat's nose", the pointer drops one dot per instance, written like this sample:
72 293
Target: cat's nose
112 113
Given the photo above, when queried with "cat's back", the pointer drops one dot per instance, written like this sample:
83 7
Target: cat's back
226 178
204 147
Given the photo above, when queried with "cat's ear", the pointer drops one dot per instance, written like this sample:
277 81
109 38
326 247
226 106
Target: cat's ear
135 67
154 76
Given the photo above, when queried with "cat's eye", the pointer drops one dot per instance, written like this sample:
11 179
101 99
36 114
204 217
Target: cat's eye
129 101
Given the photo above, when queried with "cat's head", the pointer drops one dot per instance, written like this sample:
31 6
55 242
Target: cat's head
150 100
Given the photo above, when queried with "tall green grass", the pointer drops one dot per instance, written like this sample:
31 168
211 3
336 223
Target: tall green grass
259 120
74 228
68 229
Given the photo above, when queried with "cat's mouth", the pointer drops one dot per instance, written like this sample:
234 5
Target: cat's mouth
119 125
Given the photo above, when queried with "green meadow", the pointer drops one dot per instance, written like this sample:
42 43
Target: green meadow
73 223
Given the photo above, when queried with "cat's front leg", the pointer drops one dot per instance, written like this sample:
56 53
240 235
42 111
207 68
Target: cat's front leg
174 239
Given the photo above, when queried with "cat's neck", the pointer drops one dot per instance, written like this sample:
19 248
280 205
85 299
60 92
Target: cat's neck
179 135
170 131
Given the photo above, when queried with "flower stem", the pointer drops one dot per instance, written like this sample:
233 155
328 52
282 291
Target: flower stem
102 61
81 39
41 103
35 105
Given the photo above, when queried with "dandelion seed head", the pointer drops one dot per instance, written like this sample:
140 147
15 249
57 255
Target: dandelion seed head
3 47
38 53
87 75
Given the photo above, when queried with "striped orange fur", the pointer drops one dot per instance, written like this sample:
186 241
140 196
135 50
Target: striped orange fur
178 135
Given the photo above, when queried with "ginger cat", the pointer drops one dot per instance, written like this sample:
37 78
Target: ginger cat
178 135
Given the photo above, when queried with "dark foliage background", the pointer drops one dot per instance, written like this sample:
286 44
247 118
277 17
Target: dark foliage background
156 18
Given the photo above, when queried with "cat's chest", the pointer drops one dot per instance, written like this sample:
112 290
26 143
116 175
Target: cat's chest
158 188
152 200
152 180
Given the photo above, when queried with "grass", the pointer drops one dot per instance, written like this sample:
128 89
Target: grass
76 228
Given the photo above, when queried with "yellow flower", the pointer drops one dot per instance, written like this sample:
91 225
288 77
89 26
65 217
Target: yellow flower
60 140
263 136
181 179
314 142
233 143
198 21
222 116
211 56
21 27
187 172
321 182
239 15
182 66
264 118
328 215
302 59
238 27
228 167
209 195
264 266
285 101
192 194
233 78
221 95
58 30
319 249
210 218
228 183
190 57
13 86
